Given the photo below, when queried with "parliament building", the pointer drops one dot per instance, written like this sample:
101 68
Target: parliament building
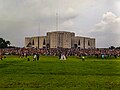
60 39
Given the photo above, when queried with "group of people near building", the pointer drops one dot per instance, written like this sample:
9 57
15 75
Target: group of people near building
61 52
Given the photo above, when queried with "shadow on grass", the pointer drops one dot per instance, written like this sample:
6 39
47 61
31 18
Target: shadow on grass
79 74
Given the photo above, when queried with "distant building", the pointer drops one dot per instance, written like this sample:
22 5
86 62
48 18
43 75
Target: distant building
61 39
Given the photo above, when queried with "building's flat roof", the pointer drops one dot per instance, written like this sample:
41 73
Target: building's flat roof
35 37
84 37
38 36
59 32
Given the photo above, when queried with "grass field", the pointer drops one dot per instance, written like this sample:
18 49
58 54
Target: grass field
49 73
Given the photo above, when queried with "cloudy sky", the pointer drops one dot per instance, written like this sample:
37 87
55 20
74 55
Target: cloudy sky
95 18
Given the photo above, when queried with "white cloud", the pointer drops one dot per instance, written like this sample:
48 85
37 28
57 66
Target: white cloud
20 18
107 32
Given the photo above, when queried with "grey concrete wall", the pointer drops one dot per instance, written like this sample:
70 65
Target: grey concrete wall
61 39
27 41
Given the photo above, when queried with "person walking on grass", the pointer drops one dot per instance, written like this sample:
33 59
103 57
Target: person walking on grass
37 56
34 57
1 57
63 57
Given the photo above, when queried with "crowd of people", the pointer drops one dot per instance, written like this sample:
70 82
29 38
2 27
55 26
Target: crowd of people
61 52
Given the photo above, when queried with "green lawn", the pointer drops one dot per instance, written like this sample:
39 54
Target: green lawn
49 73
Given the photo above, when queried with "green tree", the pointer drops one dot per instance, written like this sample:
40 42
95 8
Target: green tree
111 47
3 43
8 43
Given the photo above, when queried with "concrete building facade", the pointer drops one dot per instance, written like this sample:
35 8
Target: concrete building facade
60 39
